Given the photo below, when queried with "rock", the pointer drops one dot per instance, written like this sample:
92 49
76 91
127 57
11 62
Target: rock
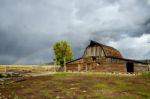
72 88
84 91
72 84
22 86
9 96
57 97
2 80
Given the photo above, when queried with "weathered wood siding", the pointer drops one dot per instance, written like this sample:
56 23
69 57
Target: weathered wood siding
140 67
102 64
107 67
94 51
95 67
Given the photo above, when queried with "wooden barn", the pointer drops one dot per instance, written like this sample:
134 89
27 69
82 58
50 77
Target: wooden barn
102 58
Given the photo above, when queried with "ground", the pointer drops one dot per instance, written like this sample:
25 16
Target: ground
77 86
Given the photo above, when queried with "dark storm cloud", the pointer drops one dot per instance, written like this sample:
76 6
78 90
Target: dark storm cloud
29 28
121 16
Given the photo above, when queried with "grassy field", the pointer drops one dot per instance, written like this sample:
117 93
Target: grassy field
20 68
77 86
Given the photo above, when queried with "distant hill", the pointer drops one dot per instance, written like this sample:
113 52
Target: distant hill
51 63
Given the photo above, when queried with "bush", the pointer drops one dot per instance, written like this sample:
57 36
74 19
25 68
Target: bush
9 75
1 75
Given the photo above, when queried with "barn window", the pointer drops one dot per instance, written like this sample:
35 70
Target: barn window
94 59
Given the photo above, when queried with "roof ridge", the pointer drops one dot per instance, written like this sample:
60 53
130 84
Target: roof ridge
103 44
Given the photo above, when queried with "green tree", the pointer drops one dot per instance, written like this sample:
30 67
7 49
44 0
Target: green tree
62 50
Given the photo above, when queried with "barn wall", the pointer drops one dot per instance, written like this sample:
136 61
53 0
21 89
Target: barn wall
102 64
140 67
94 67
106 67
72 67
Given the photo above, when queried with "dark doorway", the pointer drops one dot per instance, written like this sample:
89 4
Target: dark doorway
94 59
130 67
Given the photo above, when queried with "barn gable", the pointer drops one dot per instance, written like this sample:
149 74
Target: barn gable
97 49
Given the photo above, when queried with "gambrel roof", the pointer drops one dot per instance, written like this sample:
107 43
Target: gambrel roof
108 50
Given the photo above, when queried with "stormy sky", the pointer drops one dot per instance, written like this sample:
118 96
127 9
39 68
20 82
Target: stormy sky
29 28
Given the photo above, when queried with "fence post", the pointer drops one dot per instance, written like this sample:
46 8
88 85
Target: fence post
78 67
64 64
54 66
148 67
86 67
5 68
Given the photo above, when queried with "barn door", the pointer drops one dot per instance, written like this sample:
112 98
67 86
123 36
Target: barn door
130 67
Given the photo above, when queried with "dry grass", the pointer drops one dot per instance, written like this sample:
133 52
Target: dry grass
19 68
79 86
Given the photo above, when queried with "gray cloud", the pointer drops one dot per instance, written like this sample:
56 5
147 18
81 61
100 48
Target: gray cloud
28 29
134 47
